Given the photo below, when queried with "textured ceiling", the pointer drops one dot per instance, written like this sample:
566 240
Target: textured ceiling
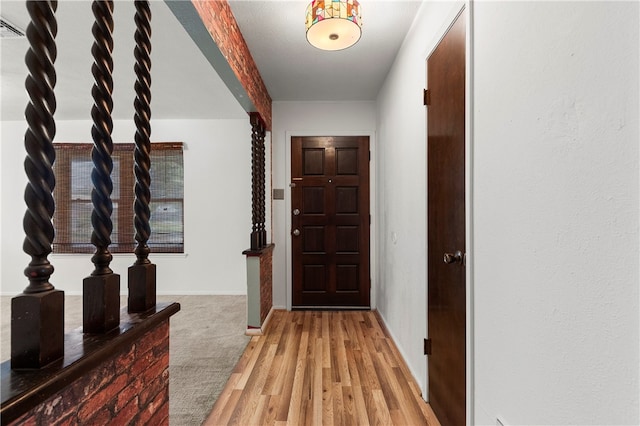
184 84
294 70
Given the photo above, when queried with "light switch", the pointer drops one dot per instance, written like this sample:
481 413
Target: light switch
278 194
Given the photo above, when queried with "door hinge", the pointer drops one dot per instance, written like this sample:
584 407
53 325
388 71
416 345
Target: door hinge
426 97
427 346
369 219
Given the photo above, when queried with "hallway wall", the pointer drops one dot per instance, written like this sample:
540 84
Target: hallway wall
217 164
402 292
554 249
306 119
556 192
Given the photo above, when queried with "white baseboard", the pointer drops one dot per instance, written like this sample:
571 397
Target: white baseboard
259 331
402 354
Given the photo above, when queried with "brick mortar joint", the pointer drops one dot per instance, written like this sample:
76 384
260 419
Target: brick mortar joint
94 364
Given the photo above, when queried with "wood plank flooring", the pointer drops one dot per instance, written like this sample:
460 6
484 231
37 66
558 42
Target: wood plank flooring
321 368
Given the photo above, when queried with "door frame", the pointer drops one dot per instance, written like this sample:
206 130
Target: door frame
373 206
469 190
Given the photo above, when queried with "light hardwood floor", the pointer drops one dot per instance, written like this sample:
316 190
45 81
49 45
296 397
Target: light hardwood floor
321 368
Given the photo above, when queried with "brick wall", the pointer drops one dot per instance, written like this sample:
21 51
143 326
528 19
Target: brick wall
219 20
266 282
132 386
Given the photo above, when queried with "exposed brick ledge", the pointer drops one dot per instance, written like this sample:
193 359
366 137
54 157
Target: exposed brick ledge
260 252
23 390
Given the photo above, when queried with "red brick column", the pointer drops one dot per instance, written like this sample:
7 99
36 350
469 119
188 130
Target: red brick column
221 24
266 282
117 380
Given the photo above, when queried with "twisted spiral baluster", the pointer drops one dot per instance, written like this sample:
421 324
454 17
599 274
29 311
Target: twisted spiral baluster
101 132
255 181
38 141
262 208
142 53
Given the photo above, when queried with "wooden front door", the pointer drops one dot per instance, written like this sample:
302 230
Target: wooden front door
330 221
446 226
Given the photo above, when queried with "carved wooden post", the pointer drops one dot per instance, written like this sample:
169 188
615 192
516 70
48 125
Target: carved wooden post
142 274
258 233
37 315
263 231
254 119
101 290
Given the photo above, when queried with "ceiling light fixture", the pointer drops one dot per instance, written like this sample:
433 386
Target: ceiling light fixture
333 24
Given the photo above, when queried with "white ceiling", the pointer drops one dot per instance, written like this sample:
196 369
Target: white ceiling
294 70
184 84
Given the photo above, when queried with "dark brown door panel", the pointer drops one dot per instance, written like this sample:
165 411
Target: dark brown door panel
446 226
330 221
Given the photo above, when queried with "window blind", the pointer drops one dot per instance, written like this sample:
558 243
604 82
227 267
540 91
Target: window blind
72 194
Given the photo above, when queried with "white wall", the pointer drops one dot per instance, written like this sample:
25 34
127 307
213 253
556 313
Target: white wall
556 181
305 119
402 295
217 176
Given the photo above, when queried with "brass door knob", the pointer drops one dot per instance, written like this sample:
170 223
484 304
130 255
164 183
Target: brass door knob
450 258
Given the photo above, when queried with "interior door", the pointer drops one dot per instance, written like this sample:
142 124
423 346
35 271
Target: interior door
330 221
446 225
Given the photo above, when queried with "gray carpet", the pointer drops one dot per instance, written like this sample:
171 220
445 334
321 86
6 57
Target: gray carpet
207 340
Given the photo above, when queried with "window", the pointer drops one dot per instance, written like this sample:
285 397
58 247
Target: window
72 194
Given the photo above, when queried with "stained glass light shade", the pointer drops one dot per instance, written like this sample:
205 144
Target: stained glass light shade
333 24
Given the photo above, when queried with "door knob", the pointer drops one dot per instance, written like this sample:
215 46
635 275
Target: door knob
450 258
296 232
296 212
